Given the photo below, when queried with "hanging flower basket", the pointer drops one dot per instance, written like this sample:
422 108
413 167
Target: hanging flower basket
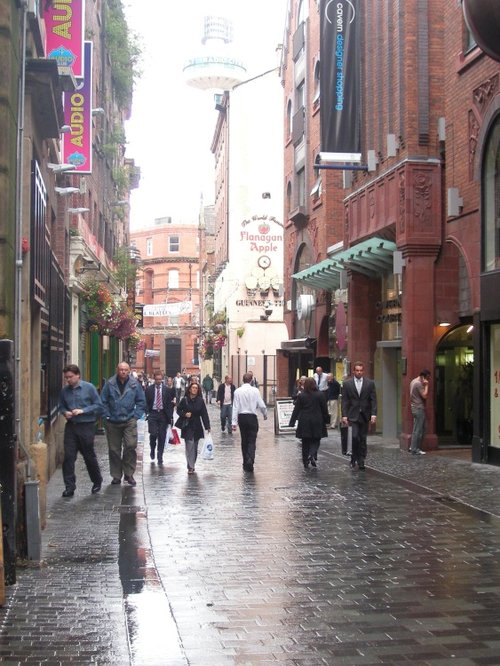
106 315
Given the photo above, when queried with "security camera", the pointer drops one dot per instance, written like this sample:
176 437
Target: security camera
60 168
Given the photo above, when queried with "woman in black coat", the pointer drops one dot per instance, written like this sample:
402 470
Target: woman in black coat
193 410
311 411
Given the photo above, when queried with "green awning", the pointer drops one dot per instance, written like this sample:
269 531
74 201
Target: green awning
371 257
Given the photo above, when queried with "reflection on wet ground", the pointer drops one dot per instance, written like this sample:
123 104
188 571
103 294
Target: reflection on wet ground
152 633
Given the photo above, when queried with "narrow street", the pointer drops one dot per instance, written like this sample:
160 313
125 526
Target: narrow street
300 567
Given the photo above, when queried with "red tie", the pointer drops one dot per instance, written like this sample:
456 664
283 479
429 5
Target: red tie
158 401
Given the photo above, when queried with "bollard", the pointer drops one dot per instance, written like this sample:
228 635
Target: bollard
2 576
33 530
8 460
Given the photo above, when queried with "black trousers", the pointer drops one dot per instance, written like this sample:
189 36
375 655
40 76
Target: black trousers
249 427
359 447
157 426
310 448
79 437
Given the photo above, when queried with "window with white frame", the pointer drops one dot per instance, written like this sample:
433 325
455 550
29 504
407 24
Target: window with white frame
173 279
173 243
149 247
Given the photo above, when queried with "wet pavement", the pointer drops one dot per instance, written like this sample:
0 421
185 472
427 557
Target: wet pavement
398 564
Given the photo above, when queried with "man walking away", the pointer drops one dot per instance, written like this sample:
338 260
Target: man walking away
159 408
419 391
225 396
124 403
359 408
247 401
208 387
81 406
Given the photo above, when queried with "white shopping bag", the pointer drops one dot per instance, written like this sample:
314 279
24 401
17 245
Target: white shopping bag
207 453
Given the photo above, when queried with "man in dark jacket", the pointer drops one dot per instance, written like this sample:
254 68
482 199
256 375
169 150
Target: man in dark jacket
80 405
159 409
359 408
225 397
124 403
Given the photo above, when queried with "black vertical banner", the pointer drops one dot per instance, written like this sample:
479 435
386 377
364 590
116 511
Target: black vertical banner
340 76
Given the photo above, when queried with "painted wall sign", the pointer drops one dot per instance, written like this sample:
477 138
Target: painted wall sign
77 144
65 31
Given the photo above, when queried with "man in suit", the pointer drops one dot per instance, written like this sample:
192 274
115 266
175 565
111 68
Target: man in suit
359 408
159 409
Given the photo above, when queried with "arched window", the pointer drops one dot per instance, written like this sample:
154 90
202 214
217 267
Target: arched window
289 206
148 283
491 200
289 119
316 83
302 12
173 279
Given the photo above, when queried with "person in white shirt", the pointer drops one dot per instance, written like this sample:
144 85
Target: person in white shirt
247 402
321 379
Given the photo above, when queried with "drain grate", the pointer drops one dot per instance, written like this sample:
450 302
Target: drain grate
130 508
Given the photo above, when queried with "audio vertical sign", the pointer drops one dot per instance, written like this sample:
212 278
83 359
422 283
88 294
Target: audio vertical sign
77 144
340 76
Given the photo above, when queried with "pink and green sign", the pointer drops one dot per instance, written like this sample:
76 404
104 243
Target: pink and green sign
65 29
77 144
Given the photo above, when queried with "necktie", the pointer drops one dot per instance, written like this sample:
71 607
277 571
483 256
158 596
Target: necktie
158 401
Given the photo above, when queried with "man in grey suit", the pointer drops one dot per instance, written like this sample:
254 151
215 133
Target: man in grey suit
359 408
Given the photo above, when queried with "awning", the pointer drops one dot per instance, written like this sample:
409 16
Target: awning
298 344
371 257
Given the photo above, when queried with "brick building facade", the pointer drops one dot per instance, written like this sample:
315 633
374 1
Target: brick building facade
169 277
395 247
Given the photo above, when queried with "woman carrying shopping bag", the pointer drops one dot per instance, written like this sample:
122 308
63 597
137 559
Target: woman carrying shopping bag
193 417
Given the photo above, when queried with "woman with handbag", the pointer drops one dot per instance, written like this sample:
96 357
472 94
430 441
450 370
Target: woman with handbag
311 411
193 417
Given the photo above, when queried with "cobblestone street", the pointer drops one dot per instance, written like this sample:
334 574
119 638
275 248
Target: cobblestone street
395 565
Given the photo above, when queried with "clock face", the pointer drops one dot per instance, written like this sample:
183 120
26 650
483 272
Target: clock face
264 261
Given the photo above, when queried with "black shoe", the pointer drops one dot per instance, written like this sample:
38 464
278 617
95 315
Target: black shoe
130 480
223 430
152 454
313 461
352 464
160 461
96 488
115 481
68 493
248 467
362 467
306 464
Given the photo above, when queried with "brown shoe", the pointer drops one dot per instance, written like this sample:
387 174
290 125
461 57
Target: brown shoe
130 480
115 481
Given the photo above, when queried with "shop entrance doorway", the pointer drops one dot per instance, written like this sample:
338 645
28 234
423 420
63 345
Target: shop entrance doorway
454 387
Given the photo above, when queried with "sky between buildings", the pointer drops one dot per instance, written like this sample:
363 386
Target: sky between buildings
172 125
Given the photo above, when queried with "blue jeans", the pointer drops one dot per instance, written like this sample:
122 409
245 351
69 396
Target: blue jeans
226 414
418 433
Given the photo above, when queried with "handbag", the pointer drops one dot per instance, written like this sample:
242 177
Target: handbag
182 422
207 452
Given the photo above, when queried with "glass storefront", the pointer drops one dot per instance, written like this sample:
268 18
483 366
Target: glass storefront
454 387
495 385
